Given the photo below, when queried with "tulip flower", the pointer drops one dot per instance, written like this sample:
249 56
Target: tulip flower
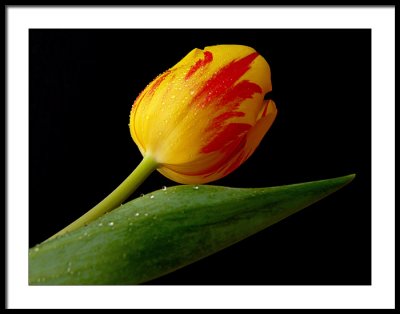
198 121
205 116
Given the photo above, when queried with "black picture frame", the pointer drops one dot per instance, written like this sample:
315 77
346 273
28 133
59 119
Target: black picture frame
82 83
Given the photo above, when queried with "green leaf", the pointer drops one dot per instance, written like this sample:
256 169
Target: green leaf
166 230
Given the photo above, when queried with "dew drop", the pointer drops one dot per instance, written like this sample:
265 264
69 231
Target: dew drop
141 195
111 223
164 188
151 196
100 224
137 214
146 214
192 92
196 187
36 249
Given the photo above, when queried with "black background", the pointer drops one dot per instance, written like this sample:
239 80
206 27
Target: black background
82 84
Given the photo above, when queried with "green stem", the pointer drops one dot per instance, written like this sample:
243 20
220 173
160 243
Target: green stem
117 197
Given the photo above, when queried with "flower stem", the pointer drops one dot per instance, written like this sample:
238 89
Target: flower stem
117 197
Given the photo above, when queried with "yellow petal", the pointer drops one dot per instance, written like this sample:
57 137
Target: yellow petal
265 119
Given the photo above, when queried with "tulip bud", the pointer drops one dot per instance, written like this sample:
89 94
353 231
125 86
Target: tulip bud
204 117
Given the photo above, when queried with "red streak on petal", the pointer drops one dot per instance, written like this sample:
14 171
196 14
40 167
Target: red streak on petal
234 151
208 57
158 81
239 160
264 113
226 137
217 122
231 101
241 91
229 152
225 78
